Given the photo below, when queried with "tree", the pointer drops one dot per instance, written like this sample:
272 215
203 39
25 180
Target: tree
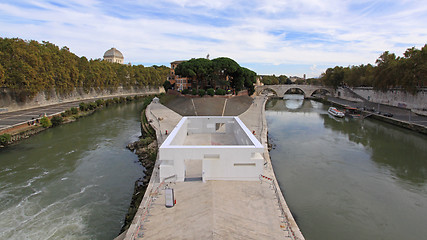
200 69
30 67
408 72
333 77
167 85
56 120
2 78
220 72
45 122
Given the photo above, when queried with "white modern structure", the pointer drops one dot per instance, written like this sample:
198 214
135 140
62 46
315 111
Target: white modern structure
211 148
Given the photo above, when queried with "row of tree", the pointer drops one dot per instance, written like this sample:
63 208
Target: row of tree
220 72
29 67
274 80
408 72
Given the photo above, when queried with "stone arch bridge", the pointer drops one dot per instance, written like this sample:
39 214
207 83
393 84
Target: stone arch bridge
281 90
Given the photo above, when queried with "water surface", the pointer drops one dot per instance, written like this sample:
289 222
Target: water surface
346 178
71 182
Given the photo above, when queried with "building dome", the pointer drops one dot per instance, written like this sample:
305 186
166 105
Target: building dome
113 52
113 55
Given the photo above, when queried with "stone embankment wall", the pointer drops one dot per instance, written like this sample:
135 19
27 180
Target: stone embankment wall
393 97
9 102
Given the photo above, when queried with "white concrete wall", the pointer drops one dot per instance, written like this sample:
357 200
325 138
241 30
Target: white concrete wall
181 134
225 162
240 135
207 125
222 168
396 98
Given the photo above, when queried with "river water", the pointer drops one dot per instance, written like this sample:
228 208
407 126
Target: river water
71 182
347 178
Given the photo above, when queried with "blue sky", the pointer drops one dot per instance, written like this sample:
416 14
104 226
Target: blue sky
291 37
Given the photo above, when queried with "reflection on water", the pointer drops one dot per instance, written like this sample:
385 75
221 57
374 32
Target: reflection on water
404 153
347 178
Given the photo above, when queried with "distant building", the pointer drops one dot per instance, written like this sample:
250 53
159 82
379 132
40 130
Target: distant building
258 81
114 56
180 82
295 78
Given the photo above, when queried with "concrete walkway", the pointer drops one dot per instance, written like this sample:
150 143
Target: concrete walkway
215 209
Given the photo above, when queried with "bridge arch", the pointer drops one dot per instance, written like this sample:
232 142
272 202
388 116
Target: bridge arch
295 90
321 91
267 91
280 90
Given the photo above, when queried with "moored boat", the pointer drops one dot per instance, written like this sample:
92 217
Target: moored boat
352 112
335 112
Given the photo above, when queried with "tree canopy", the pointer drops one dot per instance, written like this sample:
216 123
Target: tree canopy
221 72
274 80
29 67
408 72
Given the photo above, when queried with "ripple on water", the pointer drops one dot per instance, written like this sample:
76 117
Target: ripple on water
33 218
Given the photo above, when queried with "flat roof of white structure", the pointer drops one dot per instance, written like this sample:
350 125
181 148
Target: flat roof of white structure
213 131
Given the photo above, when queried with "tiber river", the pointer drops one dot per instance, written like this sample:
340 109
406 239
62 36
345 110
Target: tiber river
347 178
343 179
71 182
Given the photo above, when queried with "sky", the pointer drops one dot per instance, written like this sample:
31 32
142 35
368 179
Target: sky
290 37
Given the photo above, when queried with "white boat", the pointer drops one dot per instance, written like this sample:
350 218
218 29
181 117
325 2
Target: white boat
335 112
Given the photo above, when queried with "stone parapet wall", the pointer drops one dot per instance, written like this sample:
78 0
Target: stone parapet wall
9 102
393 97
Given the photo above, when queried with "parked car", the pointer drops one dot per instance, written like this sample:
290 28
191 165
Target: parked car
388 114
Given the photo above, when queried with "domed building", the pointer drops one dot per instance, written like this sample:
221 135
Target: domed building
113 55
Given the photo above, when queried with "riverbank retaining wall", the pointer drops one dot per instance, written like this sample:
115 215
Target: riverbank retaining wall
408 125
9 102
393 97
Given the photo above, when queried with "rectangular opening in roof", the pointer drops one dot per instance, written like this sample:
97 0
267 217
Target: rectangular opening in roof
210 131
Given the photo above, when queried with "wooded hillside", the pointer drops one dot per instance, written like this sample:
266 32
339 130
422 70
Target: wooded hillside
29 67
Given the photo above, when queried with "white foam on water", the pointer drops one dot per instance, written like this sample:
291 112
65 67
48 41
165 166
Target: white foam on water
68 153
5 170
29 219
30 181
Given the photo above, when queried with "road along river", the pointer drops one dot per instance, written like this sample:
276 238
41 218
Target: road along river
71 182
347 178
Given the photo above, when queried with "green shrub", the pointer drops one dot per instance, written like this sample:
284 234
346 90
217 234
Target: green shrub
74 110
202 92
185 91
129 99
100 102
83 106
109 102
4 139
116 100
210 92
145 141
92 106
45 122
220 91
56 120
194 91
67 113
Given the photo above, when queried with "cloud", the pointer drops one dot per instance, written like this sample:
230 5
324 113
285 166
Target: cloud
277 32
